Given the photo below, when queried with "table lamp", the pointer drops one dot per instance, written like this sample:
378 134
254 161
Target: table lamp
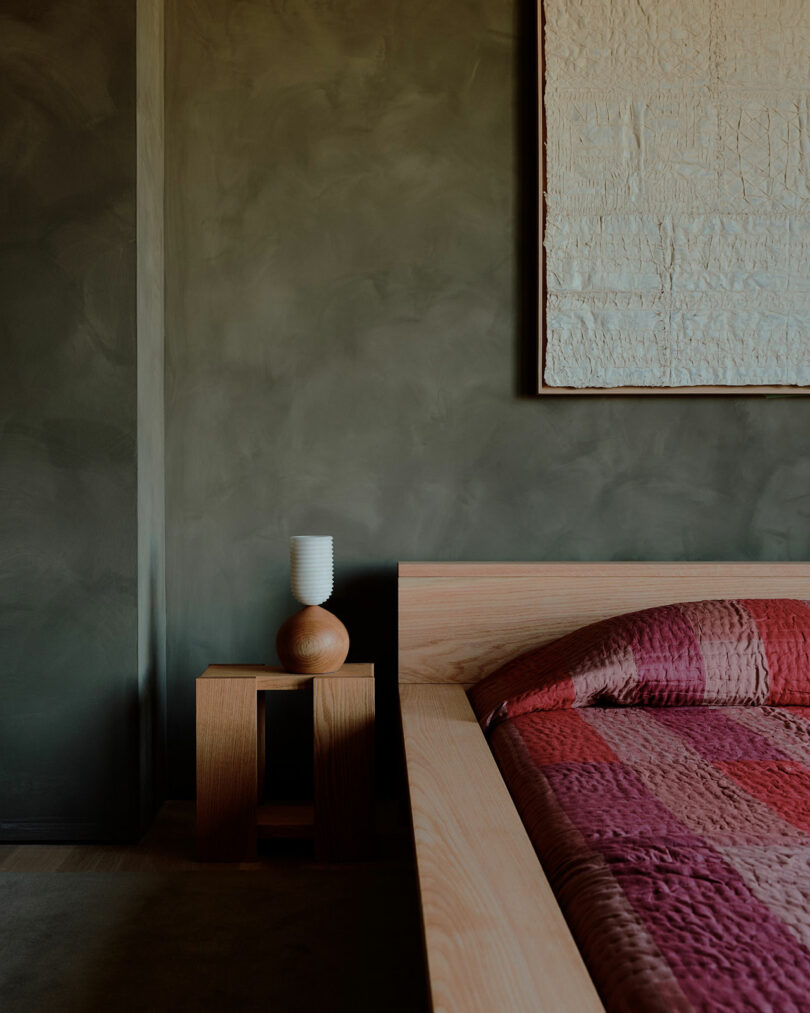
312 641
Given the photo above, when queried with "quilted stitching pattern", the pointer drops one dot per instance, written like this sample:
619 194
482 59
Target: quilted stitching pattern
731 653
674 832
677 842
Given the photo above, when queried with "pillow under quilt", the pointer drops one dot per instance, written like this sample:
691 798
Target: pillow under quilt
733 652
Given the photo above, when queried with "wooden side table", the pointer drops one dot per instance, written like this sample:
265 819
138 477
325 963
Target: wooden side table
230 762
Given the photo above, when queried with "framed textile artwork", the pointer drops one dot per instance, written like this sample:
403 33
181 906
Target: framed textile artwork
676 178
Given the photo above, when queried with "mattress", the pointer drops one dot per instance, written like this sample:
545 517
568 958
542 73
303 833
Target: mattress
677 841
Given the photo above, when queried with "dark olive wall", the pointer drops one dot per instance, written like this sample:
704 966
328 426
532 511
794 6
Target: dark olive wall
350 198
349 332
151 431
68 606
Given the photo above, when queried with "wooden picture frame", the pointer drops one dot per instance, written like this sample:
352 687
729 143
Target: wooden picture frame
542 387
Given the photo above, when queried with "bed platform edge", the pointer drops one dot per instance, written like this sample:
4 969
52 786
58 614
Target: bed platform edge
495 937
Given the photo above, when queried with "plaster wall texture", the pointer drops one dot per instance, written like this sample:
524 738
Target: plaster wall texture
68 593
151 428
349 307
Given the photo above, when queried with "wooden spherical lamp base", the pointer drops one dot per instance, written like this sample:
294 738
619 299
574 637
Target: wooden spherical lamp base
312 642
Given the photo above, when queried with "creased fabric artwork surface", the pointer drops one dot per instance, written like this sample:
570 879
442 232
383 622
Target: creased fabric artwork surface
677 224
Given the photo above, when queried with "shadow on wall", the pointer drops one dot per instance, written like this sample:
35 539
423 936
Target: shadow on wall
366 603
527 200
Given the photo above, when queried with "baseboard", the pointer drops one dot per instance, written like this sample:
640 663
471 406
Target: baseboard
59 830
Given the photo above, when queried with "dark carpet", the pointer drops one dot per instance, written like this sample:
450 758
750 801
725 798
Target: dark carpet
294 937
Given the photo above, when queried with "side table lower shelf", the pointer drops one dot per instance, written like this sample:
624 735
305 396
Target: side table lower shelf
285 820
230 763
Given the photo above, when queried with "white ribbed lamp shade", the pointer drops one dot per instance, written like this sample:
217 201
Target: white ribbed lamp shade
311 568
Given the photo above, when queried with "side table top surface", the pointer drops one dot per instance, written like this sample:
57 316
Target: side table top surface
276 677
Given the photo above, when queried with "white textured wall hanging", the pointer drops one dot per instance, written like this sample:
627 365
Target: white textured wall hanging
677 210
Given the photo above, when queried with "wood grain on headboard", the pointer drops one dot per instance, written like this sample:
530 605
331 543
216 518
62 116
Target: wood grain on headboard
459 621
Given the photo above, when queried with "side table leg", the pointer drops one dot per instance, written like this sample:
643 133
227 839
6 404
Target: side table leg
261 743
227 769
343 712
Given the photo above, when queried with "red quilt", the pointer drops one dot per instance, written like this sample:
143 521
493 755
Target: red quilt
676 838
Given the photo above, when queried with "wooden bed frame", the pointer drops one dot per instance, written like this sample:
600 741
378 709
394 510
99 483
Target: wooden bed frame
494 936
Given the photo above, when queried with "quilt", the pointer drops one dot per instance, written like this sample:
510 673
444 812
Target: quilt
661 765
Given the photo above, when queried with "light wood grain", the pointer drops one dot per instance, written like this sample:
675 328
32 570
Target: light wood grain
286 820
231 761
461 621
227 769
343 723
496 939
285 681
274 677
614 570
312 642
261 744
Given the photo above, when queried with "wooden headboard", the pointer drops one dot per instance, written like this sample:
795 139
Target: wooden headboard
459 621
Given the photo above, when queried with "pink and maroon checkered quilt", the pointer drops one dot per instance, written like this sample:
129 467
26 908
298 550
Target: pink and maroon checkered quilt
661 764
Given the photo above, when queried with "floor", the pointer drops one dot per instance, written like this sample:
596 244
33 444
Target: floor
147 928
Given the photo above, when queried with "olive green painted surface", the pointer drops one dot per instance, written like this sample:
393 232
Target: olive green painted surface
151 432
68 690
349 314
